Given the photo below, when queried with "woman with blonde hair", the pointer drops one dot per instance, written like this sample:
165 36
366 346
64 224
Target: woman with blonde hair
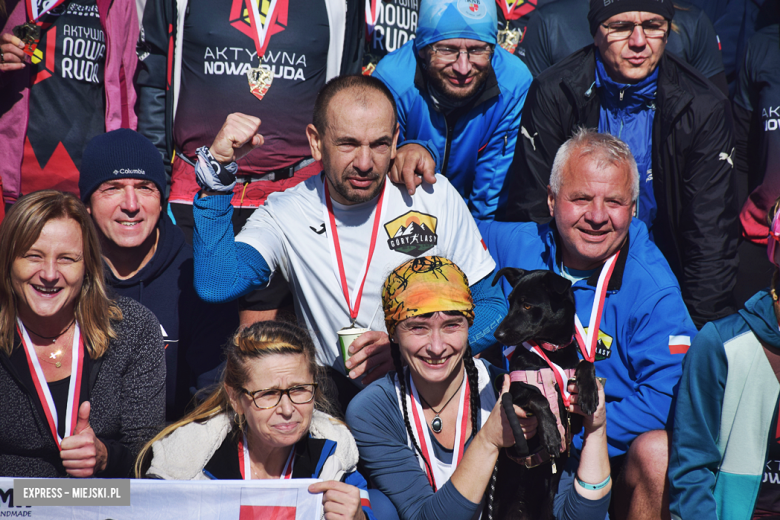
82 376
267 420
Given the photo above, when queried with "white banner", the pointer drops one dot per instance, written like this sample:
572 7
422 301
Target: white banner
186 500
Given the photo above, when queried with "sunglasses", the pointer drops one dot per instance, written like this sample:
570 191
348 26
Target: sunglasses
774 239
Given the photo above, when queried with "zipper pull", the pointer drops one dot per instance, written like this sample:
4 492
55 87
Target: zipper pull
506 139
621 94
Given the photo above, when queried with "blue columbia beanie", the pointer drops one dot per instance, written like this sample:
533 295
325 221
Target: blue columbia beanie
446 19
119 154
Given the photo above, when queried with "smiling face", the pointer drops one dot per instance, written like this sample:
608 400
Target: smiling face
47 278
433 346
634 59
125 212
357 145
286 423
592 210
459 79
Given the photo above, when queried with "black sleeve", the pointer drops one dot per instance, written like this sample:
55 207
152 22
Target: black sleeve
705 52
708 227
354 38
154 114
742 119
535 47
541 134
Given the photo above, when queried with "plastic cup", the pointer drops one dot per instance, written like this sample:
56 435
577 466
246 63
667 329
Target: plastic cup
346 336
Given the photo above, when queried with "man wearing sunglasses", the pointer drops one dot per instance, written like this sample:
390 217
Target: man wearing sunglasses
678 126
462 96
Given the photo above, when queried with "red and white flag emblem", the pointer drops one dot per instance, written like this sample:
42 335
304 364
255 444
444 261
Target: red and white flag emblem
679 344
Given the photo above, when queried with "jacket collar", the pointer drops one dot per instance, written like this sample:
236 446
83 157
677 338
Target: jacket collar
580 82
615 281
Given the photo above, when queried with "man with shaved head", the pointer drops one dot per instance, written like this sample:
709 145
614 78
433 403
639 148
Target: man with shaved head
335 237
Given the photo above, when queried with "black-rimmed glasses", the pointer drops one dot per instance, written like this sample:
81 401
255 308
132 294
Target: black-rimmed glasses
270 397
617 31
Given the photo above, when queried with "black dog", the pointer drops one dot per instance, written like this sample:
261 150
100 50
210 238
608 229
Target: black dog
541 309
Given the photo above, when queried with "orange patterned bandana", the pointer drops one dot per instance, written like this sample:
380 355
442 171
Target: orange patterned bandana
425 285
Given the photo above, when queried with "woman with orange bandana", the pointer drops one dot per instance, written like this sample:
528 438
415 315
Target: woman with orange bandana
430 433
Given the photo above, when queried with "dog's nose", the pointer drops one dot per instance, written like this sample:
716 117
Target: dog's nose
500 335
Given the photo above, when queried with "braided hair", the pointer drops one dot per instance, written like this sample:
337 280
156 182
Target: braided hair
473 381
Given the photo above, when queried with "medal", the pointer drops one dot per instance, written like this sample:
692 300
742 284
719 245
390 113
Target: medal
30 34
508 38
371 64
260 80
245 464
587 342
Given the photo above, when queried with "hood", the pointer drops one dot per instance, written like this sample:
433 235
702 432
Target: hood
445 19
169 244
760 317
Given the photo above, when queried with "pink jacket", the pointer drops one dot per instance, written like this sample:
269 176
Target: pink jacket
120 25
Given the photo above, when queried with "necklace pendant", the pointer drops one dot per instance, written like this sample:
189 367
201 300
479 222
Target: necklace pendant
58 364
436 424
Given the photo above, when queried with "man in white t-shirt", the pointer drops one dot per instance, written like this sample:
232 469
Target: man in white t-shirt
347 223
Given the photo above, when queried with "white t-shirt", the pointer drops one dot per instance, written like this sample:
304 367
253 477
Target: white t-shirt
291 235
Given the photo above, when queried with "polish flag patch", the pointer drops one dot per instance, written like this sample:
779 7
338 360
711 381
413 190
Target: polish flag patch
679 344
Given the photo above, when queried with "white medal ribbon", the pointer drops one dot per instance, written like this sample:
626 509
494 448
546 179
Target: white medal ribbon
261 29
587 342
372 15
71 411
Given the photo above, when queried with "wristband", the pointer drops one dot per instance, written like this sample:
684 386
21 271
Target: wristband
593 487
211 175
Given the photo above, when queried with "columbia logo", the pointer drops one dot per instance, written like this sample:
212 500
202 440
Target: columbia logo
116 172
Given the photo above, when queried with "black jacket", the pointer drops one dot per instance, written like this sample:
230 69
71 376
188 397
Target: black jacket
693 142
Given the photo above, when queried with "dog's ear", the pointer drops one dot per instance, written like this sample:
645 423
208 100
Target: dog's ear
512 275
558 284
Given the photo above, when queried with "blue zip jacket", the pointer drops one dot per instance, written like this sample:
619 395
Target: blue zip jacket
475 148
627 112
724 409
643 311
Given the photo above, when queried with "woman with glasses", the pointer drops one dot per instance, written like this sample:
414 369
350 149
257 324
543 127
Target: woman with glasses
725 452
267 420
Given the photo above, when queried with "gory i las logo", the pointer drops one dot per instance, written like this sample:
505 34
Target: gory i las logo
603 346
413 233
239 15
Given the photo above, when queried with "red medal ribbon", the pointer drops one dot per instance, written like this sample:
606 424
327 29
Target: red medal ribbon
440 475
507 9
587 342
42 387
244 461
259 30
558 372
333 232
372 15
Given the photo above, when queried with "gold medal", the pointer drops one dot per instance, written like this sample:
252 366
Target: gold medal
370 66
260 80
30 34
509 38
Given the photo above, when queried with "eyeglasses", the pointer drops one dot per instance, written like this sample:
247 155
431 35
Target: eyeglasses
270 397
617 31
477 55
774 233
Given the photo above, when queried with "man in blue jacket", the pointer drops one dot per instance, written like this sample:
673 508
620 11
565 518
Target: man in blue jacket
145 257
463 95
644 329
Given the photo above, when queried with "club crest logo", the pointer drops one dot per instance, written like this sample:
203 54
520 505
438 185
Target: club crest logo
474 9
239 15
413 233
603 346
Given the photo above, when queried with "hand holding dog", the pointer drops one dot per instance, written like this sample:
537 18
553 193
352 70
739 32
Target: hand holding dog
497 428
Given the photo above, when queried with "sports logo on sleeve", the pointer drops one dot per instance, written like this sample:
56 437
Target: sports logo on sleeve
413 233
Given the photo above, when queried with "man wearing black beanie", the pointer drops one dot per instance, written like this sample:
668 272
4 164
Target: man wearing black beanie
121 181
678 126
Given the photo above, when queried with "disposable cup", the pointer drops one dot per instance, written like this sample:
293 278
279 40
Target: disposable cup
346 336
